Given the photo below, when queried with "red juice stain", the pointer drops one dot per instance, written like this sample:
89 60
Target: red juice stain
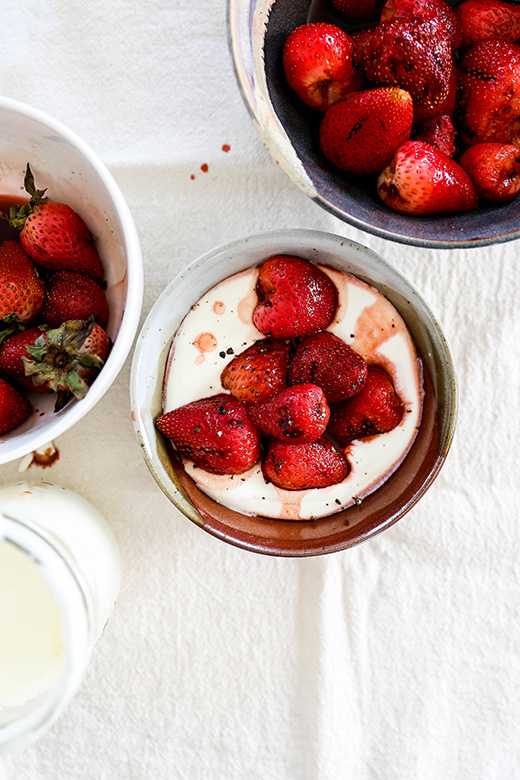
219 307
226 147
204 167
205 342
45 459
192 177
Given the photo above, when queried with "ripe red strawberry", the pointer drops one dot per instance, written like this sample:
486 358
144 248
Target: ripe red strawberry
359 10
489 94
414 53
303 466
446 107
70 295
494 170
298 414
295 298
438 8
258 371
321 63
361 133
438 132
14 407
422 180
215 433
65 359
375 409
54 235
329 362
482 20
21 289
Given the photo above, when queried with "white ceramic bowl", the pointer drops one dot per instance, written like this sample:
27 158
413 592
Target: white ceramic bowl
348 527
73 174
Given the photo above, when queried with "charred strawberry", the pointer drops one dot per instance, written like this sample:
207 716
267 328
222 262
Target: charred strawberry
427 8
70 295
14 407
298 414
21 289
361 133
494 170
215 433
329 362
295 298
482 20
302 466
258 371
321 64
375 409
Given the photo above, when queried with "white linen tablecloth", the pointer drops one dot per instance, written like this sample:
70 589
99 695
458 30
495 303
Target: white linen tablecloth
395 660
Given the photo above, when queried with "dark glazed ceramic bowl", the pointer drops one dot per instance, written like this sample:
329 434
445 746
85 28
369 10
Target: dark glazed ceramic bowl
345 528
257 30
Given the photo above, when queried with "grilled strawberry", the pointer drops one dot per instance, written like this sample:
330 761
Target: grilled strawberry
215 433
298 414
489 94
359 10
482 20
258 371
321 63
14 407
438 132
494 170
295 298
21 289
361 133
422 180
303 466
426 8
70 295
54 235
447 107
375 409
329 362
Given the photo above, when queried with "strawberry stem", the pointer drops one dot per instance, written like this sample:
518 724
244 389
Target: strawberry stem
18 215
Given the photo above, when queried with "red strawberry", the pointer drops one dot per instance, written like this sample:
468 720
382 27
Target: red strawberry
14 407
489 94
422 180
446 107
482 20
494 170
295 298
258 371
215 433
438 132
329 362
303 466
375 409
21 289
359 10
54 235
361 133
361 38
65 359
299 414
414 53
438 8
71 295
321 63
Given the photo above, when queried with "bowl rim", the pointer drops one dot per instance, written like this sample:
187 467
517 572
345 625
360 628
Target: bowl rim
133 300
245 86
142 407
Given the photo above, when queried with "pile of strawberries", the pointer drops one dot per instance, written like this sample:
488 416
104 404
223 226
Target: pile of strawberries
423 84
53 309
296 398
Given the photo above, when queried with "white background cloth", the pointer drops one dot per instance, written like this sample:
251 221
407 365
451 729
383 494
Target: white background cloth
395 660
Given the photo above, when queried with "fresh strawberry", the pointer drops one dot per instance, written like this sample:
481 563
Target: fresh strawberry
494 170
303 466
329 362
482 20
70 295
359 10
375 409
258 371
54 235
426 8
298 414
361 133
321 63
65 359
14 407
414 53
489 94
295 298
21 289
439 132
215 433
422 180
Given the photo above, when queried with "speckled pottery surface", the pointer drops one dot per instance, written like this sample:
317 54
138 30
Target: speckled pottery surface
348 527
257 30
